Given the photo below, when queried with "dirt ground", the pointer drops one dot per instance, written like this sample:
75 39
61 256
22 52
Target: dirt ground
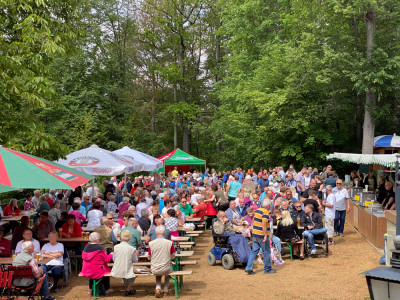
335 277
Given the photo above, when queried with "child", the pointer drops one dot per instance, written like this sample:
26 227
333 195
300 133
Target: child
245 230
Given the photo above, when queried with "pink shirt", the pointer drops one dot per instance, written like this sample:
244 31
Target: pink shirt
78 216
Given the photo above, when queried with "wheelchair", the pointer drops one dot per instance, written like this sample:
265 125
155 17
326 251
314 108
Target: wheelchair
222 251
321 243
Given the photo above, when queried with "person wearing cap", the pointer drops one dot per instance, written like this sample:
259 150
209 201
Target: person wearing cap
5 245
43 226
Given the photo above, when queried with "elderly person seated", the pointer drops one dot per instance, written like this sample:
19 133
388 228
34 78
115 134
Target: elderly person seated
288 232
142 205
115 226
223 224
135 240
25 258
144 221
232 215
285 206
157 221
94 215
241 209
124 257
95 264
18 232
312 222
180 215
81 209
55 213
123 206
161 251
112 206
200 209
44 206
55 251
249 217
43 226
107 237
297 212
28 237
71 228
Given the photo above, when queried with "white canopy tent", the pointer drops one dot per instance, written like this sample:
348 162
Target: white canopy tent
98 161
387 160
150 163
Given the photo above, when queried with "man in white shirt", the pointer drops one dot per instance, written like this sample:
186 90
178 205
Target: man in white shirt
55 251
28 236
342 206
330 211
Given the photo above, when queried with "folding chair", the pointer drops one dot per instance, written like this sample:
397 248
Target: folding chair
5 284
25 272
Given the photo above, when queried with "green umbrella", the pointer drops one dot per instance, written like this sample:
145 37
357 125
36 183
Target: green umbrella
19 170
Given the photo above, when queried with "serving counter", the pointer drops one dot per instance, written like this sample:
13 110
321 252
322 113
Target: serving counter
372 225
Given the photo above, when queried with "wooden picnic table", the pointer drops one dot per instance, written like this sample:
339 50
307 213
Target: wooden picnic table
9 261
12 218
71 240
88 229
192 219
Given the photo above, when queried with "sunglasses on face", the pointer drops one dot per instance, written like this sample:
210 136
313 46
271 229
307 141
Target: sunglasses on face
298 206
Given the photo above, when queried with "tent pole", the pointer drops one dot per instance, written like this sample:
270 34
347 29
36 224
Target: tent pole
92 189
125 181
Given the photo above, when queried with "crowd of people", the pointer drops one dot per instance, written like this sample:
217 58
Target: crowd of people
300 204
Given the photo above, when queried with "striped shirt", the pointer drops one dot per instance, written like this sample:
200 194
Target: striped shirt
261 216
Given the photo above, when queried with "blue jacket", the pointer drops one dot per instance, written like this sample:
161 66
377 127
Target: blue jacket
229 214
244 211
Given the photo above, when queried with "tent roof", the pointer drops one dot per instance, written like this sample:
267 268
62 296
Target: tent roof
178 158
387 160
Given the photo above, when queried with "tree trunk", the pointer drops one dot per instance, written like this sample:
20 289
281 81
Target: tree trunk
370 97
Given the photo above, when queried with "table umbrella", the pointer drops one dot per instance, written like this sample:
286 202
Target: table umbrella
392 141
150 163
19 170
97 161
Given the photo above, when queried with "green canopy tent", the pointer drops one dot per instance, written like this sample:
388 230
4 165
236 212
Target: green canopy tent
178 158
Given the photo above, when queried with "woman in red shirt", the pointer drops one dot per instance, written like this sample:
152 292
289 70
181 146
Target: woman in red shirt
12 208
71 228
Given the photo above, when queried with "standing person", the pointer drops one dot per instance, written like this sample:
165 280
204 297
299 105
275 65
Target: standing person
300 181
161 251
55 213
35 199
233 188
342 206
222 202
261 239
330 211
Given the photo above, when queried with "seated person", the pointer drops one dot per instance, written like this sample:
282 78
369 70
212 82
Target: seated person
107 237
285 206
313 199
25 258
28 237
94 215
186 208
43 226
288 231
250 216
200 209
144 221
223 224
115 226
95 264
62 220
44 206
55 251
124 257
18 231
79 217
232 215
12 209
241 209
135 240
313 225
5 245
298 212
71 228
157 220
172 222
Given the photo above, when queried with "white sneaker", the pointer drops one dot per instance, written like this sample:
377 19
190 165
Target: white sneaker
260 261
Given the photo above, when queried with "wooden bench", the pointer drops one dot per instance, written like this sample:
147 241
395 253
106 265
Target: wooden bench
175 276
194 232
